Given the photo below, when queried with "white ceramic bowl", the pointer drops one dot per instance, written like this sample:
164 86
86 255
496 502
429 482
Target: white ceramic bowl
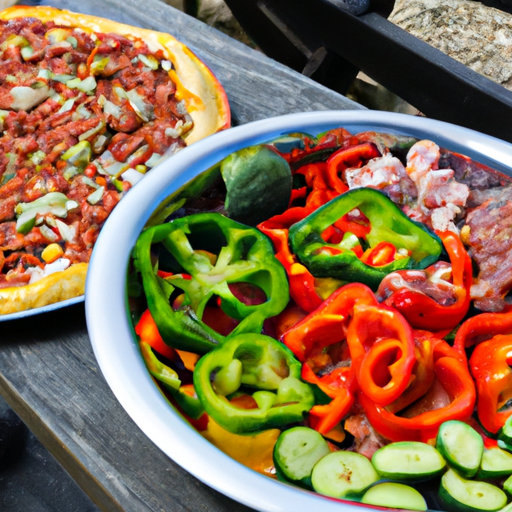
107 313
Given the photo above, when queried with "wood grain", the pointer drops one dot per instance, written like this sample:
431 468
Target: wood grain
48 373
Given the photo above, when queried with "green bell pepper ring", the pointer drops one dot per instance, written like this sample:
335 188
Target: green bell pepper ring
180 329
244 255
169 380
253 361
388 224
247 256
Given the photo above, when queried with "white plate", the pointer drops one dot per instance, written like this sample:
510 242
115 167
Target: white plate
42 309
106 301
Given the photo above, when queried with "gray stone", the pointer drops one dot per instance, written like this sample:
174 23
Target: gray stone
476 35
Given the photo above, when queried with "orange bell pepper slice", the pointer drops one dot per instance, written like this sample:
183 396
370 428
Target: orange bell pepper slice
490 365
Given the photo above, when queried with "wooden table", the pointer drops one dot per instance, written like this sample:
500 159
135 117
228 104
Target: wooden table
48 372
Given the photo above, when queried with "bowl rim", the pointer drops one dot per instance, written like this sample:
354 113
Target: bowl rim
112 335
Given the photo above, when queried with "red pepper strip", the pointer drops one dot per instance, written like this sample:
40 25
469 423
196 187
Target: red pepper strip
314 175
382 254
326 324
345 158
302 282
453 375
298 193
422 373
481 328
148 332
423 312
490 366
340 385
360 228
381 345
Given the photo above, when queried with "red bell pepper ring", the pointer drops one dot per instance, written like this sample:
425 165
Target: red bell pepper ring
381 345
382 254
422 311
346 158
327 324
340 385
490 366
422 374
481 328
454 377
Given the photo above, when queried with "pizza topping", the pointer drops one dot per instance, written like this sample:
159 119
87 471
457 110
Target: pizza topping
83 116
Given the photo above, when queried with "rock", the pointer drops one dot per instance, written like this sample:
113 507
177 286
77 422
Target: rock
476 35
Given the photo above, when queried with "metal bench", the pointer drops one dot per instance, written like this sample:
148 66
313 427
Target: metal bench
331 40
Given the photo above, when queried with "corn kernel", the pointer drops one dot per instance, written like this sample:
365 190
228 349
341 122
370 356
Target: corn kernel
52 252
464 234
141 168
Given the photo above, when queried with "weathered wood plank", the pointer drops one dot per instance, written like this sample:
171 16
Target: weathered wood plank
48 373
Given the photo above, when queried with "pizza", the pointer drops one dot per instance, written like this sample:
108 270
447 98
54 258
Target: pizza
87 106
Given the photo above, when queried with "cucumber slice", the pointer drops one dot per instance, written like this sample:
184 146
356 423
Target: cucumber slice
504 446
394 495
462 447
505 434
470 496
496 463
343 475
507 485
408 461
296 452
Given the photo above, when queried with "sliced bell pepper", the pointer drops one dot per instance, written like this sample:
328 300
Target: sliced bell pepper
168 378
453 376
388 224
253 361
246 256
381 345
423 311
328 323
340 385
302 282
490 365
481 328
254 451
147 331
382 254
422 373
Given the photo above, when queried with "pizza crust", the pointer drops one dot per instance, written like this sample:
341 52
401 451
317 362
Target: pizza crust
56 287
206 102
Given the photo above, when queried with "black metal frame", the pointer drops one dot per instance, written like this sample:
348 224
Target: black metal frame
321 39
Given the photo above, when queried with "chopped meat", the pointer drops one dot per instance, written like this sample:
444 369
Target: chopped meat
386 173
440 196
366 440
473 174
490 244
